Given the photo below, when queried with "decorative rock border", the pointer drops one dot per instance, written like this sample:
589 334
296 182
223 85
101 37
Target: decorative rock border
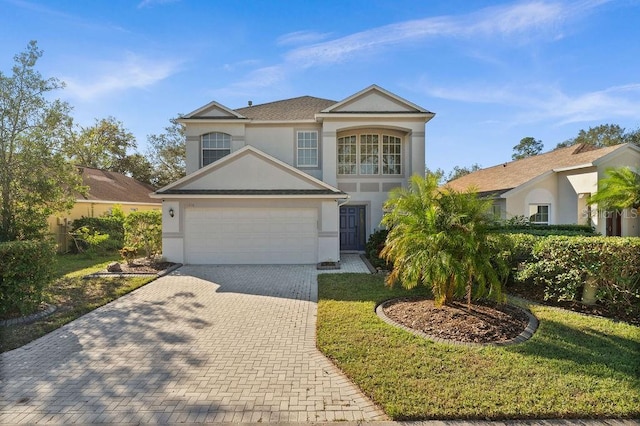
29 318
531 328
132 274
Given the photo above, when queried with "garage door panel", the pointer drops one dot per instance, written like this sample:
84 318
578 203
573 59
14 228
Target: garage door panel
262 236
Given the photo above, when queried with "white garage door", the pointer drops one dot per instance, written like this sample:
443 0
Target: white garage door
250 236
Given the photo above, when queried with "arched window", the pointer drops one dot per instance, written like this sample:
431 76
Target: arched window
215 146
370 153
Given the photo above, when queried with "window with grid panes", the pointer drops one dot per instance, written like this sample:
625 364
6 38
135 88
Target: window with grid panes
391 155
539 214
215 146
347 155
369 155
308 148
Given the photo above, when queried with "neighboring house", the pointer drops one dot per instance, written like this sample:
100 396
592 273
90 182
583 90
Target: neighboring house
291 181
105 189
552 188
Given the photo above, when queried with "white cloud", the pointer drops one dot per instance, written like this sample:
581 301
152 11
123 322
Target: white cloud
150 3
525 19
240 64
253 83
133 72
301 37
537 103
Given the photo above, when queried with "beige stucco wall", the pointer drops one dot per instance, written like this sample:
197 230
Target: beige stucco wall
544 191
193 132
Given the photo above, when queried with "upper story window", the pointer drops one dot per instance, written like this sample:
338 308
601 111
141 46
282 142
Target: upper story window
370 154
215 146
307 148
347 155
539 214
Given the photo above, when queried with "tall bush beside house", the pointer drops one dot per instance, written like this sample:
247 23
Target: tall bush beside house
26 268
440 238
565 265
89 232
143 232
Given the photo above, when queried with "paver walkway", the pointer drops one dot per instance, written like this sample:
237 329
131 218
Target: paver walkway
204 344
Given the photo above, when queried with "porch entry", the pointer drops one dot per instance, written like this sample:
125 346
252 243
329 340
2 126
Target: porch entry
353 228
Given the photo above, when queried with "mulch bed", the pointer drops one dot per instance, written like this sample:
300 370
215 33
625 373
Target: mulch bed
486 322
142 266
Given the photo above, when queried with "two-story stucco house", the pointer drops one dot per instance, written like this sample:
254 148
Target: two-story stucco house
291 181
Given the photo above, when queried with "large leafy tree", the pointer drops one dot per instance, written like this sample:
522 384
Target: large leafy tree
103 145
527 147
459 171
167 154
619 189
35 178
603 135
439 238
106 145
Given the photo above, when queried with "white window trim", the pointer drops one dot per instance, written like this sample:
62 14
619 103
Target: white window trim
548 222
298 148
202 148
380 135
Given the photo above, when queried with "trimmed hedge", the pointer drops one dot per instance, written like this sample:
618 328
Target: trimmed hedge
564 264
545 230
374 246
112 225
26 268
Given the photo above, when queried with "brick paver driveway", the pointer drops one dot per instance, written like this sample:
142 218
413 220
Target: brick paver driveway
214 343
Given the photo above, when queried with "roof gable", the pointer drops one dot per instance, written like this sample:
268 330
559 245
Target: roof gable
248 169
213 110
503 177
375 99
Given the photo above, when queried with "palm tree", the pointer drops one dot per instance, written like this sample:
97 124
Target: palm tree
620 189
439 238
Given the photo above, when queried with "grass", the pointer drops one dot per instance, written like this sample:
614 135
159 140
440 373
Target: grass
73 296
575 366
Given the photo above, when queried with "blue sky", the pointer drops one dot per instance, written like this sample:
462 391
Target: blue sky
493 72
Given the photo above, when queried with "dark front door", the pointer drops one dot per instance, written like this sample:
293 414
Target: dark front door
352 228
614 224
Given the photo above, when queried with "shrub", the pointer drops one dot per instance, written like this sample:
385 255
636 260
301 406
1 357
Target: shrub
111 225
143 232
516 226
26 268
374 246
564 264
518 248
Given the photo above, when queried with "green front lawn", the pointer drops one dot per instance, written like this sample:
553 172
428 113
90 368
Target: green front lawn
73 296
574 366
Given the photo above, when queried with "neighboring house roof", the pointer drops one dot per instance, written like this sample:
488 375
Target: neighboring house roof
501 178
114 187
301 108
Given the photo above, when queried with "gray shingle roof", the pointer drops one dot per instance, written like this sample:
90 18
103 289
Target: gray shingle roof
500 178
301 108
